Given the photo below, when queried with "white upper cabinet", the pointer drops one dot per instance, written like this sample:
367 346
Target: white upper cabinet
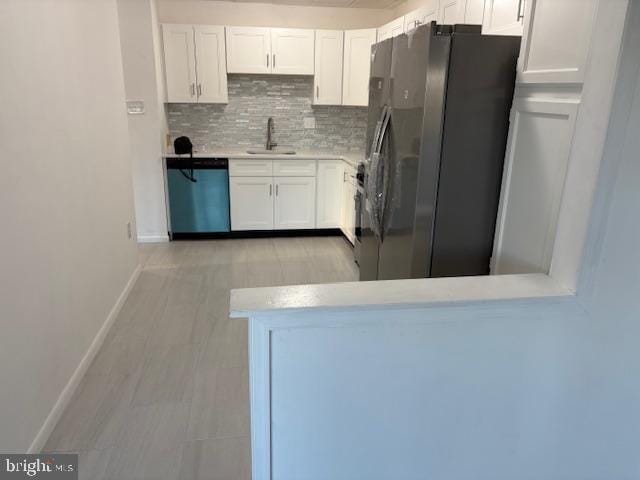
422 15
195 66
473 12
292 51
327 82
391 29
555 41
503 17
357 64
449 11
211 71
248 50
180 63
270 50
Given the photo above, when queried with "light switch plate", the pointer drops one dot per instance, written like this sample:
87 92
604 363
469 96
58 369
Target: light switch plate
309 122
135 107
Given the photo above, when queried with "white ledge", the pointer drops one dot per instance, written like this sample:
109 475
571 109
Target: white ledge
248 302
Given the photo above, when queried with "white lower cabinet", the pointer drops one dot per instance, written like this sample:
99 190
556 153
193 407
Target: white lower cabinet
295 200
348 213
251 201
267 194
329 197
270 194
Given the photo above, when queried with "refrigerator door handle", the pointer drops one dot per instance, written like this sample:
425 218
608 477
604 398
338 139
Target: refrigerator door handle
383 129
383 183
376 184
376 135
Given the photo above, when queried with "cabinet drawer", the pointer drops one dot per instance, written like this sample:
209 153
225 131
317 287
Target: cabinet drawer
250 168
294 168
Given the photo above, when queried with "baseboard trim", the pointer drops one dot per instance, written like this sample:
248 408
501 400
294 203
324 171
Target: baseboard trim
68 391
315 232
153 238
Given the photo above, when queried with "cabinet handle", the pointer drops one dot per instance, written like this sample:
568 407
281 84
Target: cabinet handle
274 60
199 89
267 60
192 89
277 189
317 91
520 13
270 190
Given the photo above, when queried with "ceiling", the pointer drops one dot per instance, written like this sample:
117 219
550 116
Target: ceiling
332 3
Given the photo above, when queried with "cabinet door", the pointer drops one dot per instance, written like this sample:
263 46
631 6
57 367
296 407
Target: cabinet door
351 214
449 12
211 64
329 201
556 39
295 199
474 12
421 16
348 216
357 64
180 63
244 167
533 184
251 203
327 82
248 50
292 51
503 17
391 29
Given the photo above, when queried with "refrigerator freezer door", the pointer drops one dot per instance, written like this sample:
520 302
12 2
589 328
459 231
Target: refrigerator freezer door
480 88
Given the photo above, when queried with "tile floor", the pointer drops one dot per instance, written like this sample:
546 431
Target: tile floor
167 395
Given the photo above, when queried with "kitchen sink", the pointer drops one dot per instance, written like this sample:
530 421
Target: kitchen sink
275 151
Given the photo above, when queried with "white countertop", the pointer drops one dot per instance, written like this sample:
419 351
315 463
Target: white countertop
423 292
352 158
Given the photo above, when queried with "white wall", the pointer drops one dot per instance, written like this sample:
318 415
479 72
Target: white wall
144 80
65 199
269 15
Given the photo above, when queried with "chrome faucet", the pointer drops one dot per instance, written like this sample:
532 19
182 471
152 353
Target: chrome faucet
270 142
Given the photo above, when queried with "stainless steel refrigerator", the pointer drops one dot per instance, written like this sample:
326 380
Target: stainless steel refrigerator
439 102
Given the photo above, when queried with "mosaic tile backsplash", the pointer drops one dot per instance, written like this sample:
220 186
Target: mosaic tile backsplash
242 123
